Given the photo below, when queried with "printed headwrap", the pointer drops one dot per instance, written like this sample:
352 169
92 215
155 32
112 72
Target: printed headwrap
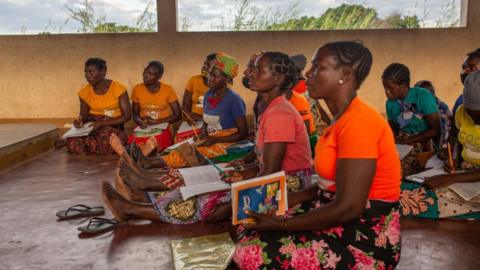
226 64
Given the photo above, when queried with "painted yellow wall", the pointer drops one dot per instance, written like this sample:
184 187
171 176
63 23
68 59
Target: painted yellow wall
41 75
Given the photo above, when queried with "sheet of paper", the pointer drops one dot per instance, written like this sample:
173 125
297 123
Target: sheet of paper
150 128
186 127
420 177
434 162
79 132
467 191
403 150
191 141
201 174
190 191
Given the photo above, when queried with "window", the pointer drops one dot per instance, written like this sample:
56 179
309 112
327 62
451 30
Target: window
77 16
274 15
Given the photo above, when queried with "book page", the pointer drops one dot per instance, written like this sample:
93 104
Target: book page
420 177
150 128
467 191
403 150
79 132
190 191
201 174
175 146
186 127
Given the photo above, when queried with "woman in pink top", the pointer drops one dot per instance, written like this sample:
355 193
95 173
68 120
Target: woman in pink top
282 141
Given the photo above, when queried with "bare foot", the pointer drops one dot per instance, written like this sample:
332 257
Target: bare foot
117 204
149 146
126 190
117 145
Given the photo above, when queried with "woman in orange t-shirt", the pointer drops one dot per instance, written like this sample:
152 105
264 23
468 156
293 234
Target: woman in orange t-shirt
355 223
153 103
104 103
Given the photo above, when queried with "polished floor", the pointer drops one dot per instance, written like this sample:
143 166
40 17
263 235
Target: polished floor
31 237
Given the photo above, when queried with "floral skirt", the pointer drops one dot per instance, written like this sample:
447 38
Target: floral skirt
371 241
419 201
171 207
98 142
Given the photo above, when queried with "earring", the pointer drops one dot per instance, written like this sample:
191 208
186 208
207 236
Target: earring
340 81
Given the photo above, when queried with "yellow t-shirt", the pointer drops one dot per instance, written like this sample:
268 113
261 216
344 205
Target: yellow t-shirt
154 105
303 107
198 89
107 104
468 136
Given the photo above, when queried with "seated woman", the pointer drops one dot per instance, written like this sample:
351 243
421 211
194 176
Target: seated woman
470 64
224 117
282 144
445 113
413 116
355 223
105 104
154 102
436 200
197 86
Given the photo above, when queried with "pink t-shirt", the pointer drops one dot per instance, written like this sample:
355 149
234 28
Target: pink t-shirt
280 122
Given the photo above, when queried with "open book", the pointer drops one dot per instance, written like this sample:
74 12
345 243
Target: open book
184 127
403 150
264 194
420 177
201 180
467 191
151 128
79 132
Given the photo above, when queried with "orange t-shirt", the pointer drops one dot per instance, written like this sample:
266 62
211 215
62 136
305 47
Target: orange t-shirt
198 89
300 87
303 107
154 105
107 104
361 132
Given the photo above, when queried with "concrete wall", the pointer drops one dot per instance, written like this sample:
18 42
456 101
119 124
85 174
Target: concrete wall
40 75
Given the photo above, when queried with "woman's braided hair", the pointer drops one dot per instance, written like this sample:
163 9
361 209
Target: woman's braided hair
281 63
397 73
99 63
352 54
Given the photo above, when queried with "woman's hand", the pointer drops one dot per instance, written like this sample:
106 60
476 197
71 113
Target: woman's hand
78 123
143 124
207 141
236 162
264 222
232 176
151 121
438 181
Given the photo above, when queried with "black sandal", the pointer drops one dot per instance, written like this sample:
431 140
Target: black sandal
99 225
80 210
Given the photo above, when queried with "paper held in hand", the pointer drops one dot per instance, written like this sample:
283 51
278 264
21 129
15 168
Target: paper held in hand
265 194
151 128
79 132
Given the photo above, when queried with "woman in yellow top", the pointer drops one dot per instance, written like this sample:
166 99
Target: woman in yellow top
104 103
154 102
196 88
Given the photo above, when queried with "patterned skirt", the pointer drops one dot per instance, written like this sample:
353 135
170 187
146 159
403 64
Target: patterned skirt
371 241
98 142
419 201
171 207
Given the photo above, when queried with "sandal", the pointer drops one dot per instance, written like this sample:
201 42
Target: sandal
99 225
80 210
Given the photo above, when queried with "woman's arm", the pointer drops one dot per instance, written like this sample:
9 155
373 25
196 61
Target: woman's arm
126 113
174 117
433 121
439 181
187 106
353 180
136 115
84 114
242 133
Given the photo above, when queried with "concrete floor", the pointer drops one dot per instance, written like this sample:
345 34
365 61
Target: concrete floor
31 237
15 133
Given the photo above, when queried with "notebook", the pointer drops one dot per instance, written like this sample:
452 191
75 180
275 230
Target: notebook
467 191
201 180
264 194
420 177
79 132
403 150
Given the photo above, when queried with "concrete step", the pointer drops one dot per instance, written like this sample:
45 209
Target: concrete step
22 141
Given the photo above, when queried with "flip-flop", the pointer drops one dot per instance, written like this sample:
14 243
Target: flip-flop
99 225
80 210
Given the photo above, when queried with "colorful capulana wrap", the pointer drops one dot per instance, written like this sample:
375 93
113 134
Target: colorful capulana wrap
226 64
254 57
